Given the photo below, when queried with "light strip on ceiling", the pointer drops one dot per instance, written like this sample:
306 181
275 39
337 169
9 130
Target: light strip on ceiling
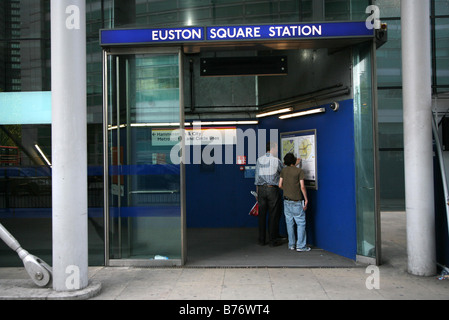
223 123
303 113
272 113
42 155
158 124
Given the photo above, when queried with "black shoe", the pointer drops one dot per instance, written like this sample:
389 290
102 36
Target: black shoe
275 243
262 243
281 240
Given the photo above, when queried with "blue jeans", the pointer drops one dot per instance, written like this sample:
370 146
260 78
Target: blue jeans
294 213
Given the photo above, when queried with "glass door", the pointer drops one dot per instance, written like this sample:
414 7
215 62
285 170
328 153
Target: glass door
144 187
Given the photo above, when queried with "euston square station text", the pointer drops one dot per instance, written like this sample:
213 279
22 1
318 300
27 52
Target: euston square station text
235 33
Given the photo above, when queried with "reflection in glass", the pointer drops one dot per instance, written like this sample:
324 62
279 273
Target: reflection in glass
25 189
364 150
144 185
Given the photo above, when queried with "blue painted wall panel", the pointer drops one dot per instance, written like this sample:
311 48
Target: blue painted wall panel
331 218
219 196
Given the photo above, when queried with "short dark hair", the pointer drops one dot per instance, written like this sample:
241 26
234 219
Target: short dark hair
270 145
289 159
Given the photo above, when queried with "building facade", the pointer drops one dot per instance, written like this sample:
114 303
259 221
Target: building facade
25 107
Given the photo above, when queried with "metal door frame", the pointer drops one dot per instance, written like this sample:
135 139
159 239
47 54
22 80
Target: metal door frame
142 262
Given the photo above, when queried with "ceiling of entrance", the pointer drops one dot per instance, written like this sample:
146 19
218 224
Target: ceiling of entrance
334 44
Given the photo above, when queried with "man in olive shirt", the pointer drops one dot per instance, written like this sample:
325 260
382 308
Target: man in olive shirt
292 182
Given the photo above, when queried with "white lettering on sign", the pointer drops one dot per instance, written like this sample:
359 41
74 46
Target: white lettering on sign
235 33
264 32
73 21
176 34
295 31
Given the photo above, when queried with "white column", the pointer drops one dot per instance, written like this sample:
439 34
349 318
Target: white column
69 144
418 151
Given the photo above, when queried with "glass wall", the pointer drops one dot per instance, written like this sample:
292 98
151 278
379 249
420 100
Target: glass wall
364 151
391 146
25 128
389 61
211 12
144 185
25 68
25 62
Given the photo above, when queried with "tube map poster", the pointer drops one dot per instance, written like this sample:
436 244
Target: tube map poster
303 145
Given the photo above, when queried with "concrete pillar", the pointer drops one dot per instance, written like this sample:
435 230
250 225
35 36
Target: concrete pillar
418 151
69 144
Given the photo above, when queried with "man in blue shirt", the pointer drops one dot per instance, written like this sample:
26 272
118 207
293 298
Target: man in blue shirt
268 169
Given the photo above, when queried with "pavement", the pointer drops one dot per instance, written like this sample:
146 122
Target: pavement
389 281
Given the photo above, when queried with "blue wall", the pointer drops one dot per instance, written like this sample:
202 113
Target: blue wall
219 196
331 218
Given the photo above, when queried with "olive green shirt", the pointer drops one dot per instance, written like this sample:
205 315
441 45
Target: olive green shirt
291 182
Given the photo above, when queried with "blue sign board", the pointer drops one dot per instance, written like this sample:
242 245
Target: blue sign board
325 30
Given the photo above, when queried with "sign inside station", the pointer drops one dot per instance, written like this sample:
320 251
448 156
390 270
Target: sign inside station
326 30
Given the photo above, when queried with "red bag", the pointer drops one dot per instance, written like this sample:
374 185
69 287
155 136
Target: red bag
255 210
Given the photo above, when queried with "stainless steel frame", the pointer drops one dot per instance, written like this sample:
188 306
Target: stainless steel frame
136 262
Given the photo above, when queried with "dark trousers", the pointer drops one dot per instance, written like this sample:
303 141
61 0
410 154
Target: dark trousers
269 199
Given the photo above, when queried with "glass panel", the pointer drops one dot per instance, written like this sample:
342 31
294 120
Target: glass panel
151 13
391 150
25 190
144 185
442 50
25 108
364 150
25 129
389 57
441 7
389 8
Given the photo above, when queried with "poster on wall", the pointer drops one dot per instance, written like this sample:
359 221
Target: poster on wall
303 145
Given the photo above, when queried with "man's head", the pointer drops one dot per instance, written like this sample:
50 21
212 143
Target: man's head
272 147
290 159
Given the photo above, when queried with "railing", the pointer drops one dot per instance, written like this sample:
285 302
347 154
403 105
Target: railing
439 148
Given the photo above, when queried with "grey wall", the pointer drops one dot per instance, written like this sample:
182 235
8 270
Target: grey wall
309 71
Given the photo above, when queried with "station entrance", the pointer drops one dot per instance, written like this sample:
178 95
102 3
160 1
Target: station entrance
174 198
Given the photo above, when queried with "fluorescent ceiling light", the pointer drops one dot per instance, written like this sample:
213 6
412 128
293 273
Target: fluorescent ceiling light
42 155
187 124
303 113
116 127
158 124
272 113
223 123
155 124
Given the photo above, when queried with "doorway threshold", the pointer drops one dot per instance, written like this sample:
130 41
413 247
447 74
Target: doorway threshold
238 248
